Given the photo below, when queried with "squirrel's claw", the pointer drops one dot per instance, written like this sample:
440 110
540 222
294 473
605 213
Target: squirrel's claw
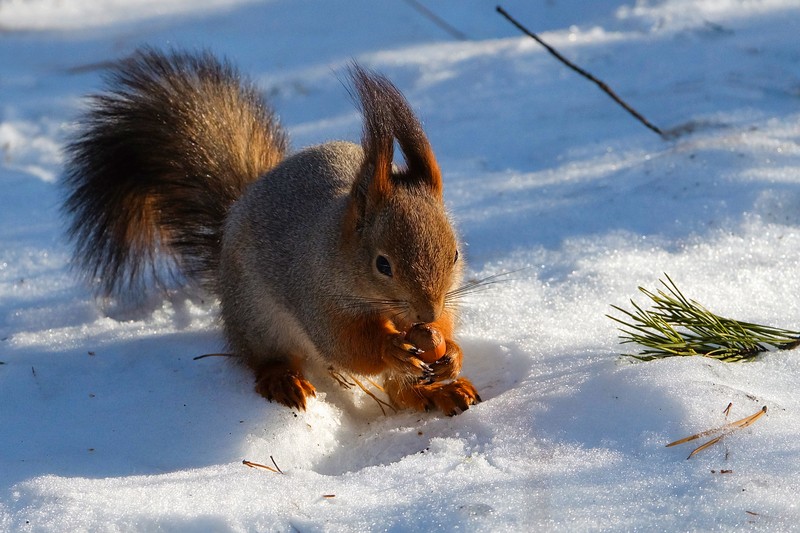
287 386
456 397
404 358
449 365
428 374
444 369
408 347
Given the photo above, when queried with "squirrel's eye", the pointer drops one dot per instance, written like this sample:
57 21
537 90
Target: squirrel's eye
383 266
455 259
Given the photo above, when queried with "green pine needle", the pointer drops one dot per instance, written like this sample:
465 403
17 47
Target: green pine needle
677 326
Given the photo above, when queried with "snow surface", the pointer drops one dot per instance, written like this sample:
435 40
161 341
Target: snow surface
107 424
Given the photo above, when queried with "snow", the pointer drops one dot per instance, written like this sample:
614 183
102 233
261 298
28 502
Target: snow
61 15
108 424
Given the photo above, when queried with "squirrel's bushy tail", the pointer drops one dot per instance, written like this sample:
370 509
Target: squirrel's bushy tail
157 162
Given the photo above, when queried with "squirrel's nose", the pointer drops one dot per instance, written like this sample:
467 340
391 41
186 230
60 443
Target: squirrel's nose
428 312
425 318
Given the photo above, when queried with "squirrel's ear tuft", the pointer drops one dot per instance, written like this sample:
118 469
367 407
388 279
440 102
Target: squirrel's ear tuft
387 116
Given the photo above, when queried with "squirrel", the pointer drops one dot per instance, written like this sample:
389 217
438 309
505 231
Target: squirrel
331 253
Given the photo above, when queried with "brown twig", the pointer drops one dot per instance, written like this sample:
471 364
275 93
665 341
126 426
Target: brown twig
727 429
276 464
372 395
436 19
212 355
727 410
340 379
376 385
343 382
605 88
251 464
706 445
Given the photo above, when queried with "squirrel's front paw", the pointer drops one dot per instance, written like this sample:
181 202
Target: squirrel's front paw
403 358
281 383
449 365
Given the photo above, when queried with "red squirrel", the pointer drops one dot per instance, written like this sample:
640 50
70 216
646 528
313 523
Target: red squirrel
332 253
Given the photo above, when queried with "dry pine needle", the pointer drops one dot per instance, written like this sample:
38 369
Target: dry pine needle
726 430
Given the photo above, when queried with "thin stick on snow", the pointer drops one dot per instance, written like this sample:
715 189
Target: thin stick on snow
727 429
436 19
372 395
605 88
276 464
727 410
340 379
251 464
211 355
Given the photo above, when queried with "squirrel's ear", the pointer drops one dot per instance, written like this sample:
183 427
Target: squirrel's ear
421 165
372 187
387 116
376 172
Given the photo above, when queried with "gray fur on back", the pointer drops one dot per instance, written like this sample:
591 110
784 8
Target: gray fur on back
281 241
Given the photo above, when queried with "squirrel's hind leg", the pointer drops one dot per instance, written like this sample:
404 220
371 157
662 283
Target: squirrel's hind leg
452 397
282 381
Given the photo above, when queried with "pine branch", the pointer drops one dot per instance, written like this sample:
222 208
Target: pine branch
677 326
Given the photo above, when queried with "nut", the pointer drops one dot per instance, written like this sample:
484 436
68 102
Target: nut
429 339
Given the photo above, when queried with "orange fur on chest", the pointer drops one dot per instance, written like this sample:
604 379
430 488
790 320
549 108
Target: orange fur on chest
363 340
361 343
